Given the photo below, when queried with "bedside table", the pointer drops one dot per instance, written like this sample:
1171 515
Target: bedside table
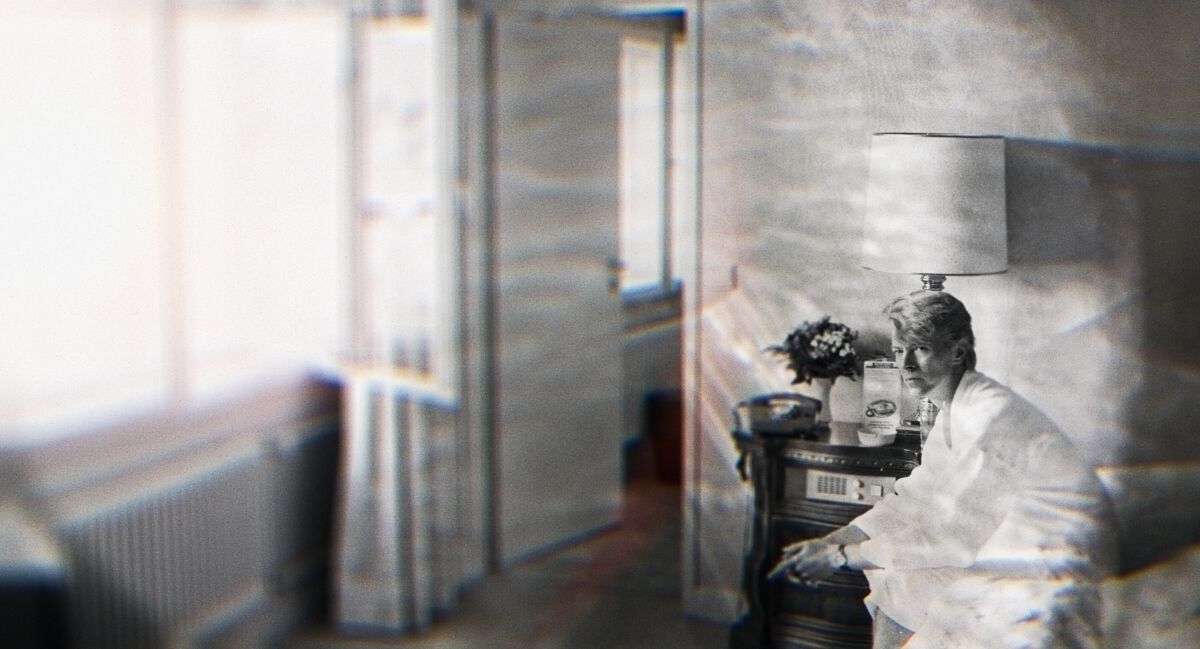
805 488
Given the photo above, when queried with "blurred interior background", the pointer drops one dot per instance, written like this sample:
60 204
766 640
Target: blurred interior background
316 313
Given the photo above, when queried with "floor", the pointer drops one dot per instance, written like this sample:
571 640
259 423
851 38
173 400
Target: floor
617 590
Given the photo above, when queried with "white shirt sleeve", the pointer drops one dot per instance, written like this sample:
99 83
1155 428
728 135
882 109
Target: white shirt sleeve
930 522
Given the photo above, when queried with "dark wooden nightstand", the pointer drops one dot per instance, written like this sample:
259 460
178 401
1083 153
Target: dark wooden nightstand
804 488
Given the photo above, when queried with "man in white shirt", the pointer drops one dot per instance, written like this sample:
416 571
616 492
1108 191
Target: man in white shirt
999 538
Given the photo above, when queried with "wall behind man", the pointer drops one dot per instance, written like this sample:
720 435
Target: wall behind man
1097 320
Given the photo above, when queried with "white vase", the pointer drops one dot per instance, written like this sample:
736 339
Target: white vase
845 400
821 389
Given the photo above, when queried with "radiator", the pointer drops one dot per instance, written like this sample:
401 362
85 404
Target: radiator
187 551
152 571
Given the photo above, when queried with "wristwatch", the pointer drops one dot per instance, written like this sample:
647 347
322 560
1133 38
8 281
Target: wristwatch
839 559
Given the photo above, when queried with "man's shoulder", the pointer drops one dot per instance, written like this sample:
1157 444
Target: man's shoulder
982 398
997 410
976 385
977 391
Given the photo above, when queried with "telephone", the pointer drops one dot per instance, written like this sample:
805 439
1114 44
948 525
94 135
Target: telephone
779 413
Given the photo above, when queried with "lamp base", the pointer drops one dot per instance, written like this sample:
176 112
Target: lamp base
932 281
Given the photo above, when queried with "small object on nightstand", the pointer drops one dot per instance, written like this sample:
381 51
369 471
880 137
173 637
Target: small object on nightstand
909 433
875 438
881 396
782 413
926 414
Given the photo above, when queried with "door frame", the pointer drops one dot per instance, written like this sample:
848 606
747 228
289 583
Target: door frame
474 195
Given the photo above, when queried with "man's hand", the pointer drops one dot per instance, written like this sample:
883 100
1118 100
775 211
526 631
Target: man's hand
807 561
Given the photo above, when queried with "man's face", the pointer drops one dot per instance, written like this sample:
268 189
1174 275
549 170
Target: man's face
923 367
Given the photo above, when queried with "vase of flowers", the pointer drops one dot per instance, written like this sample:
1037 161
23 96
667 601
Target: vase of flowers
818 353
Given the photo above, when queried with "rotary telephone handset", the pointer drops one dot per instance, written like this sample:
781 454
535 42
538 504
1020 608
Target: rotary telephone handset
778 413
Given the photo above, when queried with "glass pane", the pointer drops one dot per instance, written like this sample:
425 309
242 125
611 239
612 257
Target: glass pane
398 228
643 163
82 331
263 159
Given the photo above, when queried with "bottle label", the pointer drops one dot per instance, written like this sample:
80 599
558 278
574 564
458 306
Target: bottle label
881 396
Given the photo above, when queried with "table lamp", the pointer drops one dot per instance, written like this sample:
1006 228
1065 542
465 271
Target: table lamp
935 206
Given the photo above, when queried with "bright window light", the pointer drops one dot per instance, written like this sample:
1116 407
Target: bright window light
643 161
396 114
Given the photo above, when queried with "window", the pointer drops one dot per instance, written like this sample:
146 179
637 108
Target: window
399 297
649 90
81 248
174 223
262 160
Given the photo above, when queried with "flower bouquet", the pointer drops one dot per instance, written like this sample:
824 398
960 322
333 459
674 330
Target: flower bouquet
819 350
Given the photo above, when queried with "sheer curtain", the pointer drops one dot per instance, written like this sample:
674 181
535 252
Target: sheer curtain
409 527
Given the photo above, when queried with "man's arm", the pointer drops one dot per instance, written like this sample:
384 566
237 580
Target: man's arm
818 558
848 535
848 538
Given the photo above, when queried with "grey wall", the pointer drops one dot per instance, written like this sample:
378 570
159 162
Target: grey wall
1098 318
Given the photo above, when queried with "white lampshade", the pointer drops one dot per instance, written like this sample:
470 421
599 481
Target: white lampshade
935 205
